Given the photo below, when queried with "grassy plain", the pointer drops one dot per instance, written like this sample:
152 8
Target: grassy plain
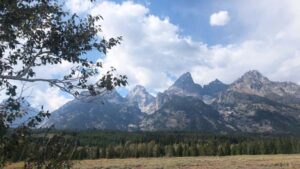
228 162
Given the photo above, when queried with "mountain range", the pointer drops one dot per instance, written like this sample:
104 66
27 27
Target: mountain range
252 104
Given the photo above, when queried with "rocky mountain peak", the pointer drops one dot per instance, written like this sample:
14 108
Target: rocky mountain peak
185 85
138 89
255 83
144 99
250 104
252 82
216 82
214 88
253 75
184 79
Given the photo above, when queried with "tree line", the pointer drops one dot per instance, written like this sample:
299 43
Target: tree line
105 144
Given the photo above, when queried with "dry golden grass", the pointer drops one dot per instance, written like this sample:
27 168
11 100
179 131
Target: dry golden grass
229 162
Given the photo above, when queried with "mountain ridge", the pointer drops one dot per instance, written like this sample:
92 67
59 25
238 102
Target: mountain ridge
252 103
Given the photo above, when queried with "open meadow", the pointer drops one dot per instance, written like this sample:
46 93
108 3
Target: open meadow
227 162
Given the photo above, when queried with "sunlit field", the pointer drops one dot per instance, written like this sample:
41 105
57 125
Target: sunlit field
228 162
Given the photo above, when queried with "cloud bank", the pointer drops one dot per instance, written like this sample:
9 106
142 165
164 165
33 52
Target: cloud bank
154 53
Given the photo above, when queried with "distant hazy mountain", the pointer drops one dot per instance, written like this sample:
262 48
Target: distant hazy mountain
24 115
109 111
252 103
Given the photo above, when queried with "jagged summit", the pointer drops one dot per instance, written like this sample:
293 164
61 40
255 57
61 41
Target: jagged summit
214 88
185 78
254 83
251 82
185 85
216 81
254 75
138 90
140 95
253 72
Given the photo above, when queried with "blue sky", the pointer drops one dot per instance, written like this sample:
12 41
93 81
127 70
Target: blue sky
193 19
211 39
163 39
193 16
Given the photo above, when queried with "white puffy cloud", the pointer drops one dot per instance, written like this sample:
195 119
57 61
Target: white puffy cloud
151 47
153 51
220 18
40 94
50 98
